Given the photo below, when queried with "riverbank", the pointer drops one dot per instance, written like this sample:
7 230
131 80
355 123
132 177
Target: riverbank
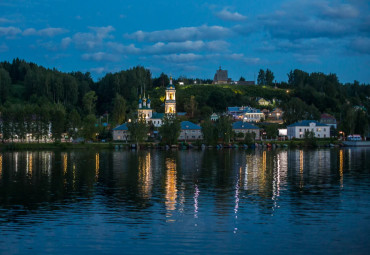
181 145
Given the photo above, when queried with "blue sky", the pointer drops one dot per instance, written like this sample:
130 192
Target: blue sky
191 38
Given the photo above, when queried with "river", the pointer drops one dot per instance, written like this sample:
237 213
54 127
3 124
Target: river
185 202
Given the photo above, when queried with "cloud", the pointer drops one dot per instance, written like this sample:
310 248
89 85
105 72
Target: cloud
101 56
183 34
92 40
3 47
225 14
121 48
4 20
186 47
361 45
65 42
312 19
9 31
97 70
46 32
179 58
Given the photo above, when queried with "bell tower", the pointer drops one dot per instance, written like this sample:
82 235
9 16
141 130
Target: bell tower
170 105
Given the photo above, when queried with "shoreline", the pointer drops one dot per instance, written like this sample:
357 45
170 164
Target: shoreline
180 146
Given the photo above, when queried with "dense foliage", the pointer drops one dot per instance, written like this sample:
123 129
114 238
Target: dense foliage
33 94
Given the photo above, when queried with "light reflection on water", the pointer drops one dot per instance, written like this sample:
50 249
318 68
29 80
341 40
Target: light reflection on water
279 201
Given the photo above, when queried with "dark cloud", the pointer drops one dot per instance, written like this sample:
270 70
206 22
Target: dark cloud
313 19
360 45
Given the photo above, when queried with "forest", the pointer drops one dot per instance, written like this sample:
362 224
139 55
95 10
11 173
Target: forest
30 93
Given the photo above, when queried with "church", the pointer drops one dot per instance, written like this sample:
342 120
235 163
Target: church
146 112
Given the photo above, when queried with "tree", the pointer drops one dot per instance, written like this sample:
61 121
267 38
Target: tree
269 77
209 132
89 127
89 102
138 129
261 78
249 138
119 109
191 106
74 123
224 128
57 122
241 78
170 129
5 83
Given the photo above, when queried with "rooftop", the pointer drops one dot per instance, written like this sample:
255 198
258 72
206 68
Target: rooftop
243 125
186 125
121 127
306 123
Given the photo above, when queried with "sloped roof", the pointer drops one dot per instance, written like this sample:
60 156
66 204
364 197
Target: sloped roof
186 125
243 125
121 127
306 123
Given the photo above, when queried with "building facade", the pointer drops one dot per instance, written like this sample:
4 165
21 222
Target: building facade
170 104
243 127
120 133
190 131
298 129
221 77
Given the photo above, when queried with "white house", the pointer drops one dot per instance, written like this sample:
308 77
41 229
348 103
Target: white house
121 133
190 131
244 127
298 129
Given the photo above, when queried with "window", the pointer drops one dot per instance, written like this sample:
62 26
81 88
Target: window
324 129
300 130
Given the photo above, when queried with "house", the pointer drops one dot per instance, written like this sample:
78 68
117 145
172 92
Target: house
276 114
298 129
190 131
214 117
244 127
263 102
157 119
245 113
120 133
221 77
328 120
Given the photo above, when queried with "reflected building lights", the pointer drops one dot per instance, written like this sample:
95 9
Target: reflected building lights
29 164
145 176
196 196
171 189
301 168
97 166
341 167
65 163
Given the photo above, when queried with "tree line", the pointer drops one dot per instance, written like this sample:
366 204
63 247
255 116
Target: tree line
34 91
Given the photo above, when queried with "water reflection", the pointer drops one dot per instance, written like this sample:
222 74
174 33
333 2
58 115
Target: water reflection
215 191
171 188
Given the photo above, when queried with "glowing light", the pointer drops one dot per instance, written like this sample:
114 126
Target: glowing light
171 188
145 176
301 167
196 195
65 162
341 167
97 164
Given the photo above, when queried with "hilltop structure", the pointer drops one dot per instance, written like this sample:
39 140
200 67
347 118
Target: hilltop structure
221 77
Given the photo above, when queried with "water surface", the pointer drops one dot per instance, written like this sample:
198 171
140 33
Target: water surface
185 202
